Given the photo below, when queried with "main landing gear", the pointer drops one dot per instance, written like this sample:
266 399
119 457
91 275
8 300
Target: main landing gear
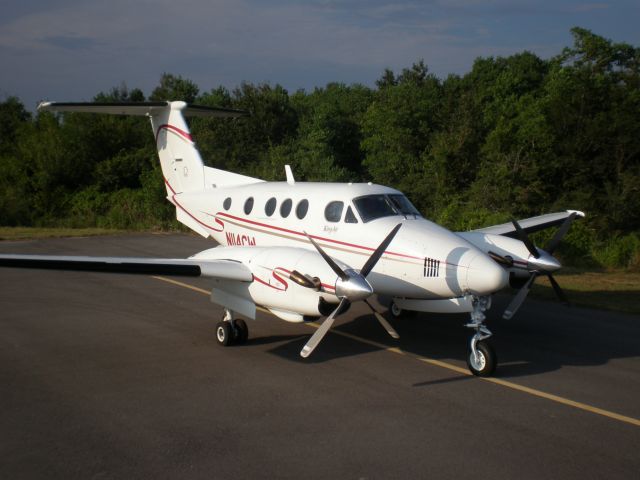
481 358
230 331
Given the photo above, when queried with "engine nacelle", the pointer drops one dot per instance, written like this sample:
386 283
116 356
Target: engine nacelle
272 286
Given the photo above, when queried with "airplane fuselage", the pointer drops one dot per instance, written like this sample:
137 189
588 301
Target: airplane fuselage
349 221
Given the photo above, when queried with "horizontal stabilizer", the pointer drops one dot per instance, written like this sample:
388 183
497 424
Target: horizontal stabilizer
141 108
225 269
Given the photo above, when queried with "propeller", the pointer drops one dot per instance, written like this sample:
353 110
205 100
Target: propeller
544 263
351 287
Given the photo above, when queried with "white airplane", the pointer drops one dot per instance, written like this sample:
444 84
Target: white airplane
304 250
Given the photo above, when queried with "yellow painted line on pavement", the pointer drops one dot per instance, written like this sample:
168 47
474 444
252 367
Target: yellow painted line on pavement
462 371
180 284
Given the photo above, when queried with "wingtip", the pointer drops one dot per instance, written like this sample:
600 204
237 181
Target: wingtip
577 212
44 105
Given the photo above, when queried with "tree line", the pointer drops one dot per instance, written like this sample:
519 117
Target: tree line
517 136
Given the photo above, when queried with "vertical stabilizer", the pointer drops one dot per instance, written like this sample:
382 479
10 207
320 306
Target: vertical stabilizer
182 166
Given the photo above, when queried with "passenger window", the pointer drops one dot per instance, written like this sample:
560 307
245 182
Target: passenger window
350 217
227 203
285 208
248 205
333 211
302 208
270 206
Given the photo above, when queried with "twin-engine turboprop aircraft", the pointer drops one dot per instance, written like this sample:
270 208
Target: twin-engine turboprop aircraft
304 250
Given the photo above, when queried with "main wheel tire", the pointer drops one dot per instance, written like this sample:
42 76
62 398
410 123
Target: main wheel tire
224 333
396 311
486 363
241 331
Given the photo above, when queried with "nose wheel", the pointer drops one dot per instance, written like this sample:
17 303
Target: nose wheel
481 357
230 331
482 362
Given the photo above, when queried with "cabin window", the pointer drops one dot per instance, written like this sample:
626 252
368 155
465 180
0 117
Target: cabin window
227 203
350 217
302 208
333 211
248 205
270 206
285 208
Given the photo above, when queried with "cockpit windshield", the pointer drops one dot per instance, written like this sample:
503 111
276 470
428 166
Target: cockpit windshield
371 207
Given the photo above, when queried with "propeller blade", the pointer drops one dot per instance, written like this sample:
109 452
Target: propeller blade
375 256
322 331
525 239
519 298
334 266
556 288
383 321
562 231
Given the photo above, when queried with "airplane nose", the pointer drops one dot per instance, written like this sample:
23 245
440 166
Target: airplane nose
485 276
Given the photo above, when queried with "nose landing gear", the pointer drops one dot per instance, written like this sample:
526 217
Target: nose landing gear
481 357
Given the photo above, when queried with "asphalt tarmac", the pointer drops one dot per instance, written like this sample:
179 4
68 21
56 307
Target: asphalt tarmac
119 376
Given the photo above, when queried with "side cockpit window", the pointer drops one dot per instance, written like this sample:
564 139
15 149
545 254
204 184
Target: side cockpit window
371 207
350 217
375 206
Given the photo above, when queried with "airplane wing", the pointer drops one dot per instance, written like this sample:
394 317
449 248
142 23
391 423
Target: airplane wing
225 269
530 225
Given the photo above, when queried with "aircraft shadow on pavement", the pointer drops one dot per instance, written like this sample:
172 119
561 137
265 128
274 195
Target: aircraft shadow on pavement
273 339
331 348
543 337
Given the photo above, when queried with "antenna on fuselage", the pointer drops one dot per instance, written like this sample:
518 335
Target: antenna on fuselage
290 179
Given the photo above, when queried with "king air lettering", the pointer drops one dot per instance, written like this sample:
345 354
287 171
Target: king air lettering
237 239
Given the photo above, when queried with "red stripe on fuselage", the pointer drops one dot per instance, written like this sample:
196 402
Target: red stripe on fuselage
315 237
182 133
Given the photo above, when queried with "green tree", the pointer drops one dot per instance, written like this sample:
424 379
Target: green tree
397 132
174 87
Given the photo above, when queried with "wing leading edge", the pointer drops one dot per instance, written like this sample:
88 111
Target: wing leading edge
224 269
530 225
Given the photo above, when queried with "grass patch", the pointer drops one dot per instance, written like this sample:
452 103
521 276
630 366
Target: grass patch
616 290
29 233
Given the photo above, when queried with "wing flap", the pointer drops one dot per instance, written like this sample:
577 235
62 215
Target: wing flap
225 269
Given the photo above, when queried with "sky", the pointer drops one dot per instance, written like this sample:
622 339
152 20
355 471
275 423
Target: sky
70 50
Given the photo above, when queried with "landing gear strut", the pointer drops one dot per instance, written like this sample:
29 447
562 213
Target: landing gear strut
481 358
230 331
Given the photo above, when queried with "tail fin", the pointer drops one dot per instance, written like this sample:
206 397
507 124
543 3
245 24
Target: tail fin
182 167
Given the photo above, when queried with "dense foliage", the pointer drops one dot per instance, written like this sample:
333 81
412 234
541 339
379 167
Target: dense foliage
515 137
